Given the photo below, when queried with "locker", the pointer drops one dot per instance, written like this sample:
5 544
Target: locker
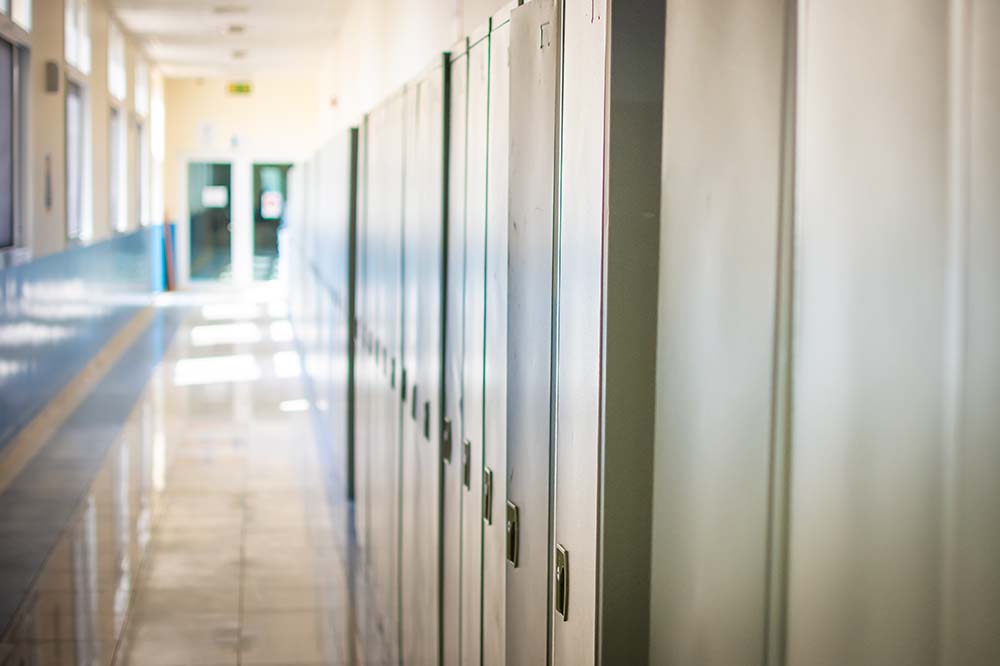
386 169
474 347
451 427
970 636
534 75
717 330
578 324
495 361
893 434
412 522
423 284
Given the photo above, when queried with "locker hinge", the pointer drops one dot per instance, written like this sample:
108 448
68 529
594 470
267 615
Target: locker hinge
562 582
466 455
513 532
446 439
488 495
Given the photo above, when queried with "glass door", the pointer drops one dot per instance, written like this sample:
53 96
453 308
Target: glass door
210 208
270 191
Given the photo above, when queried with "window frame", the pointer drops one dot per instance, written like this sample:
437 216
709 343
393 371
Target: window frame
20 42
84 232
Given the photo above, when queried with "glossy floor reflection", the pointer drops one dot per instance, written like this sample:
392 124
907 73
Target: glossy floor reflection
210 536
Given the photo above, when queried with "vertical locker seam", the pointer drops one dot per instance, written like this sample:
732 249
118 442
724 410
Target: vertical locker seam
461 400
482 374
556 281
399 404
443 323
780 445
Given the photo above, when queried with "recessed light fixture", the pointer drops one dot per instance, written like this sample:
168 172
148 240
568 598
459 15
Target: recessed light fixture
226 10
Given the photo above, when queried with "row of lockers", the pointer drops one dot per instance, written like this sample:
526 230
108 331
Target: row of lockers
674 336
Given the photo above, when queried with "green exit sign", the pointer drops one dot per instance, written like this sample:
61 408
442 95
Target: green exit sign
240 88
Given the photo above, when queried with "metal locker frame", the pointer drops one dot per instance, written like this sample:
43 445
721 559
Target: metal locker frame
534 93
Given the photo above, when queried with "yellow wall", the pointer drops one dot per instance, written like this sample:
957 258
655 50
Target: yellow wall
279 120
44 229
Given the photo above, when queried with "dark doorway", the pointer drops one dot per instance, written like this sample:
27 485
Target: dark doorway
270 192
210 207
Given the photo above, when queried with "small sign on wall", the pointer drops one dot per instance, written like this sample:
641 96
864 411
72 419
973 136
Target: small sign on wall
240 88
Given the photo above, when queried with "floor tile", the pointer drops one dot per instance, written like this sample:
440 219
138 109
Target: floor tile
279 639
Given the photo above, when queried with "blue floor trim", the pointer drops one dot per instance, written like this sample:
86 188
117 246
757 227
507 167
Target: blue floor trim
37 507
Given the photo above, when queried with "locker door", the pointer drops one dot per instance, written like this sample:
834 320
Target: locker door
716 330
451 435
362 417
495 378
872 238
533 86
974 486
414 524
578 346
431 132
474 348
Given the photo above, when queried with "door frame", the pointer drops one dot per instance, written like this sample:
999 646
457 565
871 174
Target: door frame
241 211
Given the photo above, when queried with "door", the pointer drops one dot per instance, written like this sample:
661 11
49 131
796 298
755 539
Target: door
270 191
210 210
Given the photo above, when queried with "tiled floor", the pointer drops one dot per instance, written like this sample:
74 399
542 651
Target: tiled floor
210 536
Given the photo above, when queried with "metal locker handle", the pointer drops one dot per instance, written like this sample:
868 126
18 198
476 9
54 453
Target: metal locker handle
413 405
402 392
446 439
488 495
513 532
562 582
466 455
427 420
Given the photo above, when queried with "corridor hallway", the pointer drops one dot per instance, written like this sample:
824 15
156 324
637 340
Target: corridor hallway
213 532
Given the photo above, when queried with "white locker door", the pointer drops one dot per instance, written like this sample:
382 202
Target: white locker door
533 92
872 238
495 378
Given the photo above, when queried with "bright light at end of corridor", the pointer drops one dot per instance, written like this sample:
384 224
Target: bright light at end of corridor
300 405
287 365
281 331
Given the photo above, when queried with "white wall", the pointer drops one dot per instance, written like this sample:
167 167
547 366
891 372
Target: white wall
382 44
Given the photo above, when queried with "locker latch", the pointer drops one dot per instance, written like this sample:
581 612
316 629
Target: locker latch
562 582
413 404
402 383
446 439
427 420
488 495
513 527
466 455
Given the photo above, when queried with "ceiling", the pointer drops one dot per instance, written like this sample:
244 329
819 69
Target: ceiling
193 38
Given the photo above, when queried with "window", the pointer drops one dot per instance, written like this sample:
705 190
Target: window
143 212
141 92
117 81
117 163
76 222
8 157
21 13
77 35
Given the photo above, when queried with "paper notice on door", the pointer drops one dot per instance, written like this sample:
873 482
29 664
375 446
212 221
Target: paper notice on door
215 196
